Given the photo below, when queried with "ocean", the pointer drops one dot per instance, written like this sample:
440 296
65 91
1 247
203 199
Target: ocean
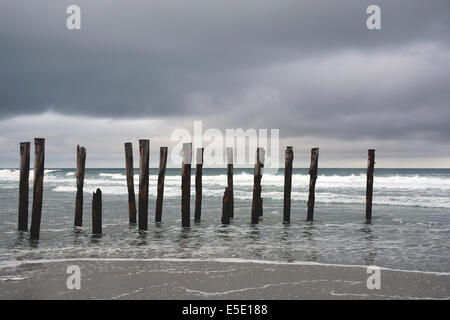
410 229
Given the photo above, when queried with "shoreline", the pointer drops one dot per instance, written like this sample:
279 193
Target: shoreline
213 279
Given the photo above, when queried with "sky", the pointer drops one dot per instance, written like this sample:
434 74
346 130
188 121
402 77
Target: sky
312 69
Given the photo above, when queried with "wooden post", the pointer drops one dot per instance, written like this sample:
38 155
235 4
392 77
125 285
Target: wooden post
260 208
81 163
129 168
161 176
24 185
144 151
226 206
256 203
289 157
198 185
230 157
369 188
97 212
186 185
38 187
312 182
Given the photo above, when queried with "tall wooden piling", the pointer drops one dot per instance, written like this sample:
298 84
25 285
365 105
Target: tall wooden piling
312 183
369 188
38 187
198 185
186 185
97 212
226 206
161 177
288 159
129 168
144 151
256 203
24 185
81 164
230 157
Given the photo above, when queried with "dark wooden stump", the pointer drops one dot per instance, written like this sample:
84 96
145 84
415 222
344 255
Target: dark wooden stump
97 212
289 157
226 206
81 163
161 177
144 151
312 183
198 185
38 187
129 168
186 186
369 188
230 156
256 203
24 185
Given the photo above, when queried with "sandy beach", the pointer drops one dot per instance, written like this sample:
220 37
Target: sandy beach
226 279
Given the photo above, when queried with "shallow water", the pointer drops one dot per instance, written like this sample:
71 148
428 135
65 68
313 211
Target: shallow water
410 229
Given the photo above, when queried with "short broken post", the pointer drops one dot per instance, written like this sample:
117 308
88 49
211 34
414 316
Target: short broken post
256 203
38 187
81 163
369 188
129 168
226 206
97 212
24 185
144 151
198 185
289 157
161 177
312 183
230 157
186 185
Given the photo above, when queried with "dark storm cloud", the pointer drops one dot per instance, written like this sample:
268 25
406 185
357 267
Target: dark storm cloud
309 67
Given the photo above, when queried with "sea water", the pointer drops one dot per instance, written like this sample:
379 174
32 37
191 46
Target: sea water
410 227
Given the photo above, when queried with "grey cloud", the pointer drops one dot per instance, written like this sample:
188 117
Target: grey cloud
309 67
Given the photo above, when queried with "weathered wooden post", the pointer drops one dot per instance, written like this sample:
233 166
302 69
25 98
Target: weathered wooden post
81 163
24 185
161 176
38 187
97 212
369 188
226 206
256 203
312 183
230 157
144 151
186 185
261 208
198 185
129 168
289 157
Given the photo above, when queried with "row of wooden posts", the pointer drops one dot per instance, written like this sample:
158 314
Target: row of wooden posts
144 151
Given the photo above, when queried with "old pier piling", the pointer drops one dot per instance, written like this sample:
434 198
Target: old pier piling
198 185
312 183
369 187
161 177
257 203
38 187
230 156
81 164
129 169
144 151
97 212
24 185
288 159
186 186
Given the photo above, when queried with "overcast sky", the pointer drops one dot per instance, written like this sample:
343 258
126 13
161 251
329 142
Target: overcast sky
312 69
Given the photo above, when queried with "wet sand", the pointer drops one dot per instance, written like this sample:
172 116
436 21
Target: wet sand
185 279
